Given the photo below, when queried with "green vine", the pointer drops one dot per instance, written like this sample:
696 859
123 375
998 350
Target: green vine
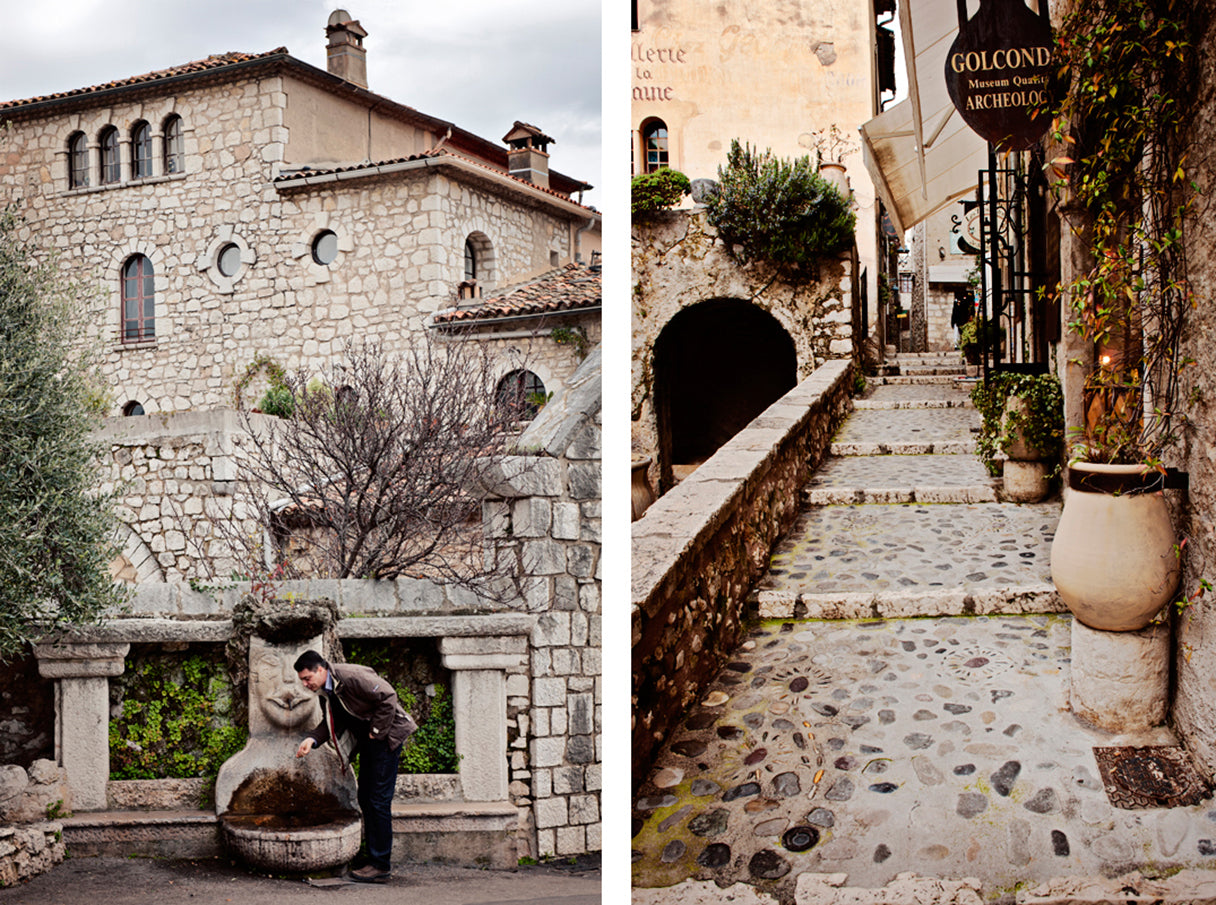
1041 426
572 336
1131 66
175 720
278 398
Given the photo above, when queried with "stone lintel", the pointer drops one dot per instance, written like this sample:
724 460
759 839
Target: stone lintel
80 659
471 627
118 631
498 662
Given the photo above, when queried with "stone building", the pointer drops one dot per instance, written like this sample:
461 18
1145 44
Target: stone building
249 210
250 203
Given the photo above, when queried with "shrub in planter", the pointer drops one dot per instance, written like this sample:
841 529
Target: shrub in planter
657 191
780 211
1038 422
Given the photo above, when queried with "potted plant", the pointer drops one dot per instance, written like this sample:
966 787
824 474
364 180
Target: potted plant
979 334
1114 558
831 147
1023 420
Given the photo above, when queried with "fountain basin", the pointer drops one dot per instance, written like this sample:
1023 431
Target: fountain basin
275 843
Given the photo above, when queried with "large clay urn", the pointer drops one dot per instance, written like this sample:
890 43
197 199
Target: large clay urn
1113 558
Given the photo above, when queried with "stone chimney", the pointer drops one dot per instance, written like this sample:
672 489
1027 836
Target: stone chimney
528 157
345 55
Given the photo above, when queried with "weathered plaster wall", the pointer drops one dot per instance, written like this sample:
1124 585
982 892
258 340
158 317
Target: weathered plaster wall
678 260
769 73
698 549
1194 710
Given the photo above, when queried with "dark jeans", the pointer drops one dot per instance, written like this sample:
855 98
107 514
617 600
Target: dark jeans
377 782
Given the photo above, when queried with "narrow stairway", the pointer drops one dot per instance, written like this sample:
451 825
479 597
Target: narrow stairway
873 540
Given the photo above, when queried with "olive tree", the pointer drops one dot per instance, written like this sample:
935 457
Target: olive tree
54 522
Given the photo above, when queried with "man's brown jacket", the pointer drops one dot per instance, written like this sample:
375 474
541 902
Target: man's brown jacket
369 698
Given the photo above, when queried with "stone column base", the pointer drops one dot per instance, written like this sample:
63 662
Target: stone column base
1025 482
1120 680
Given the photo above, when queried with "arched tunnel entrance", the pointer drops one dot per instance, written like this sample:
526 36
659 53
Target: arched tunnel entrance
717 365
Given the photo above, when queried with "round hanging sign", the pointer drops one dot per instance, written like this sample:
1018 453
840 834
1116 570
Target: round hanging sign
1000 73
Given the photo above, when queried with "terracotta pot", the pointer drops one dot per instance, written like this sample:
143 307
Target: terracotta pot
836 174
1113 558
640 489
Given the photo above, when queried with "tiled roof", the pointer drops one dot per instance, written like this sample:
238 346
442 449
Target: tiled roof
216 61
370 168
574 287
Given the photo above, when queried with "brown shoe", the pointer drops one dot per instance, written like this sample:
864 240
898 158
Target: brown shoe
369 873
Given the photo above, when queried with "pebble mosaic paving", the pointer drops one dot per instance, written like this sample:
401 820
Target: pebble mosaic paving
868 548
952 395
941 746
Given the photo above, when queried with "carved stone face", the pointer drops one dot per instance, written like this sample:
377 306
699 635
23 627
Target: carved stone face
278 702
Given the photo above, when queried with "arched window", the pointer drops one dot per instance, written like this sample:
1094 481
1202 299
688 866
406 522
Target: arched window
175 156
132 409
520 395
470 260
654 144
110 166
138 300
141 151
78 160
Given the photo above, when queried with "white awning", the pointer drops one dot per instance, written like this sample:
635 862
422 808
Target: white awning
920 153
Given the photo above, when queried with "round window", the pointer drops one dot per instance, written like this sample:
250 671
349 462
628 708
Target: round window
325 247
230 260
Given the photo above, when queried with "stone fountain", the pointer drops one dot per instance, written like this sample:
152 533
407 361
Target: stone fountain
276 811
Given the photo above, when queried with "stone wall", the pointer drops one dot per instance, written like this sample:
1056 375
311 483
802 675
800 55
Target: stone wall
678 261
1194 710
26 851
549 521
31 803
698 549
173 476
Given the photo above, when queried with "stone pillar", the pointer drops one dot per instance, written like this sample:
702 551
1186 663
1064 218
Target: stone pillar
82 713
479 703
1120 680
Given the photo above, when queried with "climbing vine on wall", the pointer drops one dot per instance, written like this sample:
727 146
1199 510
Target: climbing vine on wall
1131 69
175 717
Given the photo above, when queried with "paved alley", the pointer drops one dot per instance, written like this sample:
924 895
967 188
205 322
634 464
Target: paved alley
936 739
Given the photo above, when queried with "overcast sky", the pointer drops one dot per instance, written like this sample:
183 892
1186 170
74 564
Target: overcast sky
481 64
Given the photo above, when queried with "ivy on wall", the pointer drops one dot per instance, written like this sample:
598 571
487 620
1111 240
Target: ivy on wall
432 749
174 716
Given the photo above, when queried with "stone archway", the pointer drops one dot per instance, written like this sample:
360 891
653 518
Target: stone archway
717 365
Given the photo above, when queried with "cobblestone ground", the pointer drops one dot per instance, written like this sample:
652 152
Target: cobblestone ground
942 745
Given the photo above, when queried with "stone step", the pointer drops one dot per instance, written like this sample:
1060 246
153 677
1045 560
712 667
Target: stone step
942 370
935 395
900 479
860 561
474 834
907 432
892 404
921 380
